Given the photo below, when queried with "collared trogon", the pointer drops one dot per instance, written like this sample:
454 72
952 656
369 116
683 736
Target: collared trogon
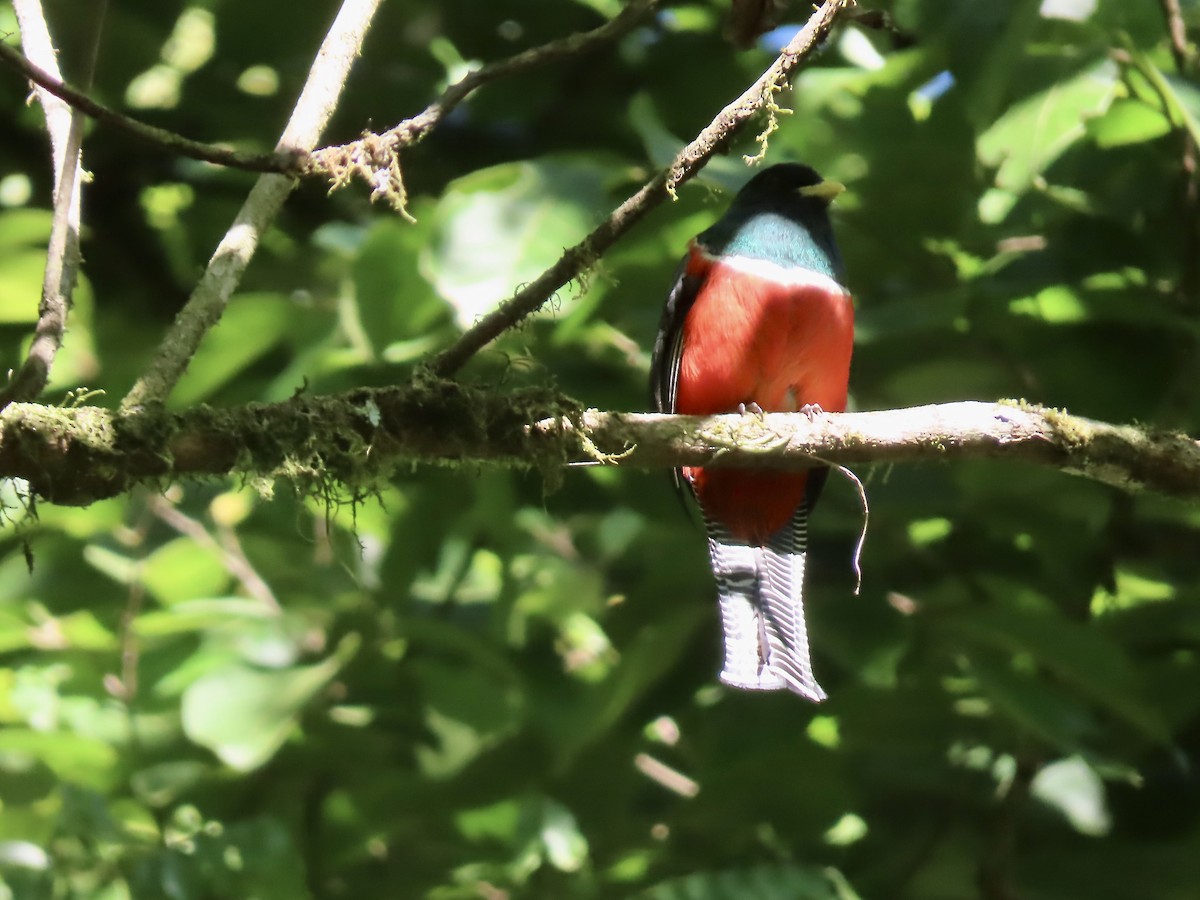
759 320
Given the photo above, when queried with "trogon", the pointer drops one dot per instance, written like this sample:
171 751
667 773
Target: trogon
759 320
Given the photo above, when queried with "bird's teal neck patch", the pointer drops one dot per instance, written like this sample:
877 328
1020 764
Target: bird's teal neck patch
786 238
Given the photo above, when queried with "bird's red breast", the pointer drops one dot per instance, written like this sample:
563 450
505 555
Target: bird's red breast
760 333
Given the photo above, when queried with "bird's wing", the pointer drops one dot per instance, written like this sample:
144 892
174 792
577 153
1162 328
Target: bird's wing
668 343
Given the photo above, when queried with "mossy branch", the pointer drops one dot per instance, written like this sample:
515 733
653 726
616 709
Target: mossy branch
78 455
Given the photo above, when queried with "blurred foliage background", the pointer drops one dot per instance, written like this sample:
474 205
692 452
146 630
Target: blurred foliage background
472 687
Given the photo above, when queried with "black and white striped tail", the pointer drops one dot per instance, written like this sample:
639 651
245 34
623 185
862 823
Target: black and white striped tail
762 609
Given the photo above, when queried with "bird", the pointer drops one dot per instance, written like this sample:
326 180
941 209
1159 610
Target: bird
759 320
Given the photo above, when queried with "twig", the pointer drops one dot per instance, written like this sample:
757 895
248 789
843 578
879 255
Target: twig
856 559
369 157
204 308
374 158
77 456
1181 51
994 875
667 776
1180 395
125 686
35 38
62 253
686 164
49 81
228 549
1177 31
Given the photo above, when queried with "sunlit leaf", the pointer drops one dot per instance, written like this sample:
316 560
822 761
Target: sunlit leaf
766 882
1128 122
87 761
251 325
245 714
499 228
1073 787
1082 657
1037 130
180 570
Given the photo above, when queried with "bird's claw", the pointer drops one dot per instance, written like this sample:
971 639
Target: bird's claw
752 408
811 410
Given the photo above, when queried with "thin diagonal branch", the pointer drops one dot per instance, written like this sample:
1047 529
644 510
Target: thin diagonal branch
62 254
230 552
204 308
48 81
366 157
1177 31
994 875
375 159
1181 394
36 40
686 164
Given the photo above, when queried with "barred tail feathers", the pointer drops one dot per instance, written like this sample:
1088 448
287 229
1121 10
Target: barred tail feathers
760 592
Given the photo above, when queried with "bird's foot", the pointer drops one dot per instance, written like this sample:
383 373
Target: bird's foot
752 408
811 410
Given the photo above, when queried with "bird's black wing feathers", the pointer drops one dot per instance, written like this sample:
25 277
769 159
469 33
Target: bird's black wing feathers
668 343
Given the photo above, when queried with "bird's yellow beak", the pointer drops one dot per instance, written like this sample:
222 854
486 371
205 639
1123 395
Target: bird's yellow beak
826 190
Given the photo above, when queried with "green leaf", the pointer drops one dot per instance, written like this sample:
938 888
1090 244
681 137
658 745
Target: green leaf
1081 656
245 714
21 286
468 710
1128 122
1073 788
1036 131
607 8
1182 98
499 228
184 570
25 228
222 613
87 761
395 302
566 847
1045 711
790 882
251 326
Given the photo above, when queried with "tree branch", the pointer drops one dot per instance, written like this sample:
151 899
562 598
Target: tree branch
994 874
1177 31
372 157
375 158
62 254
686 164
50 82
76 456
204 308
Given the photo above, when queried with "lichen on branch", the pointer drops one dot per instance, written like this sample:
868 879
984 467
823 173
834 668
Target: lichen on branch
354 441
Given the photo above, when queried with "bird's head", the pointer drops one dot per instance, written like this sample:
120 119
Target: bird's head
781 215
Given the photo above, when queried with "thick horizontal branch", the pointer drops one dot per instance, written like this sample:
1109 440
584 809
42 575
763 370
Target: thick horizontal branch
76 456
1124 456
